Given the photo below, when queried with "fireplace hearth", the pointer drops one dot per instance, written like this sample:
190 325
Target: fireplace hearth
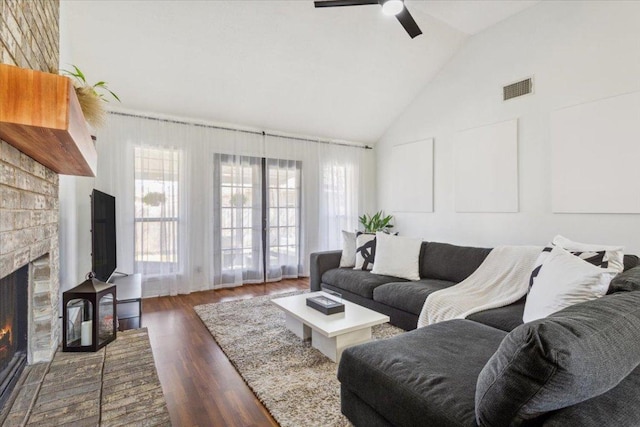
13 329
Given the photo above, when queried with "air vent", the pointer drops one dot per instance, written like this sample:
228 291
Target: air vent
520 88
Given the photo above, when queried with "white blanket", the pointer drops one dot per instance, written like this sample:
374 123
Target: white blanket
502 279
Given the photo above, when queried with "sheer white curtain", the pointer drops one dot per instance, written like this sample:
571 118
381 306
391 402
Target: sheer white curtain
148 167
343 191
337 184
237 214
283 180
191 200
159 181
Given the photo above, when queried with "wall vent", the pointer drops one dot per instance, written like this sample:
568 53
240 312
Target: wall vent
516 89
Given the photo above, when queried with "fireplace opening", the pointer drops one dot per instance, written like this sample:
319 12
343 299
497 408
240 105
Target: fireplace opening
13 329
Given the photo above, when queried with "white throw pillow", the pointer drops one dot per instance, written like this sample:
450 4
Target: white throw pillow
397 256
348 258
596 258
613 257
365 251
564 280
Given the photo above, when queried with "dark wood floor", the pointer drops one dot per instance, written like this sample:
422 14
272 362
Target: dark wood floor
201 386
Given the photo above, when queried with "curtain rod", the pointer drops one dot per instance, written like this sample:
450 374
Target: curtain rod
253 132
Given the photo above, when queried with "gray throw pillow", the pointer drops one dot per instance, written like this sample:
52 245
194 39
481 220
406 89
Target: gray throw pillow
626 281
631 261
573 355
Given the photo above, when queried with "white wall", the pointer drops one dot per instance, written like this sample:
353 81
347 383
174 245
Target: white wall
75 207
578 52
75 230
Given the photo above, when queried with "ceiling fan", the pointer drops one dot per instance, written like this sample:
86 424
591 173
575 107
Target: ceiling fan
389 7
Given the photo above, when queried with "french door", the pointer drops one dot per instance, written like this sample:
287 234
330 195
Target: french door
281 216
256 219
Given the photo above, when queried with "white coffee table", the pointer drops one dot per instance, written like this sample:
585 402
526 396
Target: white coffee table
332 333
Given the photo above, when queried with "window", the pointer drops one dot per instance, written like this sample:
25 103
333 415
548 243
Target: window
258 201
157 192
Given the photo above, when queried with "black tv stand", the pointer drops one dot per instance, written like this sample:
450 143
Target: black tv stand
128 300
119 274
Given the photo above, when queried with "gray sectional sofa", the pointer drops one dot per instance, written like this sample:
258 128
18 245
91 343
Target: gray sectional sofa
489 369
441 265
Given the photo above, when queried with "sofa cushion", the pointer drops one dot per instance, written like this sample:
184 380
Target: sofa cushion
573 355
408 296
630 261
450 262
423 376
358 282
617 407
506 318
626 281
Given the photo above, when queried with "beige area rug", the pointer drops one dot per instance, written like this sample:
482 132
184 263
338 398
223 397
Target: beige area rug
295 382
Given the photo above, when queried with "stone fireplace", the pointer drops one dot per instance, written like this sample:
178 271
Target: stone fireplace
29 237
29 249
29 207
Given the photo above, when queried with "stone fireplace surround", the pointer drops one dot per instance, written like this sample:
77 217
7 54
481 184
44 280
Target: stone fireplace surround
29 213
29 207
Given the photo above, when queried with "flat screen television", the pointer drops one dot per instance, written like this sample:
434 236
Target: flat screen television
103 235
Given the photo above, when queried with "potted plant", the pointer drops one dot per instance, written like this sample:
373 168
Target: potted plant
376 222
91 97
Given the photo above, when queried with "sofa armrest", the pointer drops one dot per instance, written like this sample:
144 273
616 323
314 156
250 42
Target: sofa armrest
321 262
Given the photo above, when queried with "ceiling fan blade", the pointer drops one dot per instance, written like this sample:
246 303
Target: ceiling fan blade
409 23
336 3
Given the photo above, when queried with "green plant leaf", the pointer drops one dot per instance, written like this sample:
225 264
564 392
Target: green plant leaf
69 73
376 222
80 75
113 94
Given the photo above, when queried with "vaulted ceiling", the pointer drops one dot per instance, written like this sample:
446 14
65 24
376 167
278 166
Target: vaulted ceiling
342 73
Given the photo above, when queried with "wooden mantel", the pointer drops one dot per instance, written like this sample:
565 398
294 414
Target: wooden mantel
40 115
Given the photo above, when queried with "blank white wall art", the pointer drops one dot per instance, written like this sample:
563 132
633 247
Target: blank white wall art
486 168
595 151
412 166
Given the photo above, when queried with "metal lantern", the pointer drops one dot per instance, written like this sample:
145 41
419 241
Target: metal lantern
89 316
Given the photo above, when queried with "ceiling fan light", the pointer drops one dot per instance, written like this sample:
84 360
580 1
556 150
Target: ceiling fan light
392 7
